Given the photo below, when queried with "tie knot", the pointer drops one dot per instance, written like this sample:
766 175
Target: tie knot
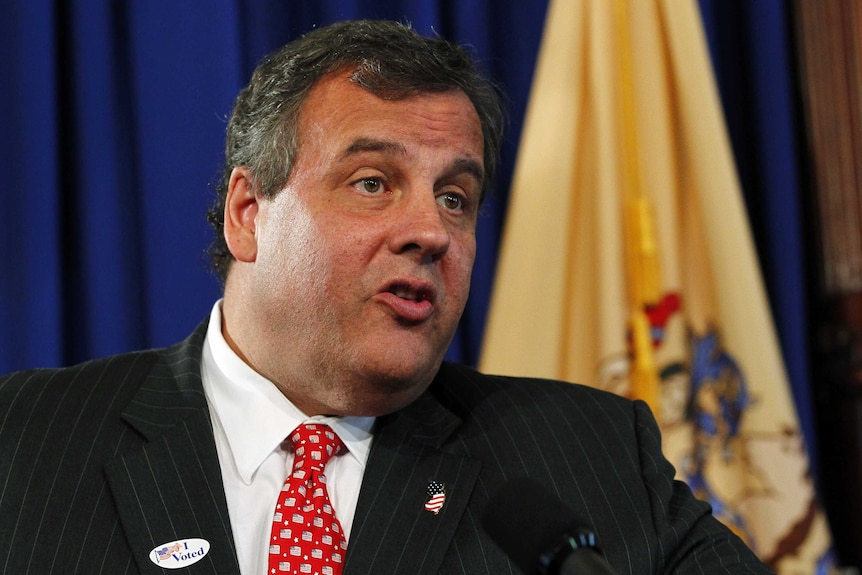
313 445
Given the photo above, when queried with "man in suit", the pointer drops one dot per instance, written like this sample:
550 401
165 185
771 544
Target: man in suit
356 163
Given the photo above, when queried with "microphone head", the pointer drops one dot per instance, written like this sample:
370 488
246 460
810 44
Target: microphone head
535 529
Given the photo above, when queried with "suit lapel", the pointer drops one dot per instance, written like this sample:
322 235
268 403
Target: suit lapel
393 532
171 489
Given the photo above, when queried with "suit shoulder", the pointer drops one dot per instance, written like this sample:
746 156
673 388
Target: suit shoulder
37 390
453 374
461 385
121 369
121 362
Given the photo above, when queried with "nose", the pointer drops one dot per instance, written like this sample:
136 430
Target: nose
421 228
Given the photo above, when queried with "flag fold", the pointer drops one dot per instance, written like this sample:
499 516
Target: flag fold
627 264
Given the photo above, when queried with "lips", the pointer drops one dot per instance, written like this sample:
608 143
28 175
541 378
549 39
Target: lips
412 301
405 292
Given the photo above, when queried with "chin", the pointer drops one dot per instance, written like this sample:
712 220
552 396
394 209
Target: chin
383 401
397 357
394 384
402 378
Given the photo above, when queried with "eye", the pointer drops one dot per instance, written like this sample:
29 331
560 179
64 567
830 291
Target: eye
370 185
451 201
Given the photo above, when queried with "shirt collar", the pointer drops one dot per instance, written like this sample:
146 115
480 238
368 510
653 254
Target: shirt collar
255 416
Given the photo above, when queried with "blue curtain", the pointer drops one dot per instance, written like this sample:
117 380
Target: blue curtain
111 127
112 133
755 63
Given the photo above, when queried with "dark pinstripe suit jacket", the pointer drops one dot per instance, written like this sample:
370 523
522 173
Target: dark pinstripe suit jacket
102 462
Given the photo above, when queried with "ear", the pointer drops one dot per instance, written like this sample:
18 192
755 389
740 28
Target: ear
240 213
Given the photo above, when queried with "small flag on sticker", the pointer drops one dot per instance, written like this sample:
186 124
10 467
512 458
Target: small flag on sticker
437 494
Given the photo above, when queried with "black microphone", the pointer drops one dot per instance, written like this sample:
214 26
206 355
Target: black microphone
540 534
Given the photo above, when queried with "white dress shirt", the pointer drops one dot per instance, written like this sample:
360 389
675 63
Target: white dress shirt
251 418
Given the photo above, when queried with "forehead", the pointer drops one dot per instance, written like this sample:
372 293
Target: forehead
337 111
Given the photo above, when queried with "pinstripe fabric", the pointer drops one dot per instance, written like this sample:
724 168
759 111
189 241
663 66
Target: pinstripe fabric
56 512
599 453
101 462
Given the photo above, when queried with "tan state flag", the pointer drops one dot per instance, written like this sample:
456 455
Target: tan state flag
627 264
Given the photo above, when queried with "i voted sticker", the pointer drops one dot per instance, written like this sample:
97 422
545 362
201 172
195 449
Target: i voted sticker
179 554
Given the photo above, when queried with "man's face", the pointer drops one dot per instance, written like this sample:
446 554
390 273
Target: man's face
362 263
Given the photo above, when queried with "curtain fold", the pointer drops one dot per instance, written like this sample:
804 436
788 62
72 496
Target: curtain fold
753 56
114 129
31 277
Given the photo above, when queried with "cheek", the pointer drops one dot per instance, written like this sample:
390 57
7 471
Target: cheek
469 250
289 258
461 268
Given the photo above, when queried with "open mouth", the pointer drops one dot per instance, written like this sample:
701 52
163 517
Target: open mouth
410 294
410 302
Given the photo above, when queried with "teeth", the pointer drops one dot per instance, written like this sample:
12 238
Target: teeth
402 293
405 293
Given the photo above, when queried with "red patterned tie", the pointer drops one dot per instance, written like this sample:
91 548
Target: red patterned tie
306 535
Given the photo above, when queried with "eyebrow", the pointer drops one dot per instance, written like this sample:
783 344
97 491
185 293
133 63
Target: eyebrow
369 145
470 166
460 165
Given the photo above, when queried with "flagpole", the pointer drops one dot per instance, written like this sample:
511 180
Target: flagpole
641 257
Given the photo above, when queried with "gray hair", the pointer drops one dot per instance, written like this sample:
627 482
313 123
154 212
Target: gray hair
389 59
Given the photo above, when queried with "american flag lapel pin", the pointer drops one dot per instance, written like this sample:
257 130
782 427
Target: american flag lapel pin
436 497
